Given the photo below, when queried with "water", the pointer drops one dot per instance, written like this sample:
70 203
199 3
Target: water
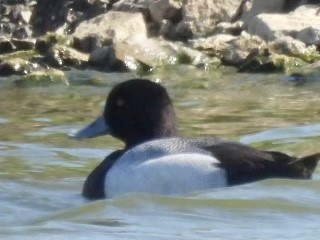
42 171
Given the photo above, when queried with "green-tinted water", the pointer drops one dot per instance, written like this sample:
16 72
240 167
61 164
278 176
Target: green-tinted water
42 171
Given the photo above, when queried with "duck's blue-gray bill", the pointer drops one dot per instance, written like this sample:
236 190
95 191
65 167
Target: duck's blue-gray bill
94 129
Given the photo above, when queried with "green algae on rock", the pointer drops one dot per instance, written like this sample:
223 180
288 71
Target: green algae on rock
42 78
25 55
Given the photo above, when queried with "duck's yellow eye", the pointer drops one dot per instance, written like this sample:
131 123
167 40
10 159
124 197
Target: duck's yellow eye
120 102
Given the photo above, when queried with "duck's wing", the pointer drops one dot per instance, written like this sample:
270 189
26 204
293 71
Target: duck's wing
245 164
93 187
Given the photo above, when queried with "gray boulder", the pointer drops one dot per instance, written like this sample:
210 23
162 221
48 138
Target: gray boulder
104 59
48 16
292 47
256 7
230 49
11 45
61 56
150 52
199 17
14 20
6 46
164 10
15 66
310 35
154 52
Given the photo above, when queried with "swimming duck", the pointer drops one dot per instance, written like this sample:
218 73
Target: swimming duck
156 160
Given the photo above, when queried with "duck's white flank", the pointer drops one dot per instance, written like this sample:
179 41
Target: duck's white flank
157 168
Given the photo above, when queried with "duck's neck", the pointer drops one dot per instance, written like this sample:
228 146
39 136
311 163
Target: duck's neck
134 142
163 128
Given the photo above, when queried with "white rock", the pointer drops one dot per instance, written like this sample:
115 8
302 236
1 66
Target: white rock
272 26
26 15
306 10
309 35
113 25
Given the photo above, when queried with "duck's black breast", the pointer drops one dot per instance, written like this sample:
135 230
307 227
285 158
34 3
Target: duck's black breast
94 185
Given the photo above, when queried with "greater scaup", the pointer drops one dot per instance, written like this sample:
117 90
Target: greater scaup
156 160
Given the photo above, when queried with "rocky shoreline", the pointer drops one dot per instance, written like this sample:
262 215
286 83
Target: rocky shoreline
42 36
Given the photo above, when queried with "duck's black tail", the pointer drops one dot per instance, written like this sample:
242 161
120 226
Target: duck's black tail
293 167
244 164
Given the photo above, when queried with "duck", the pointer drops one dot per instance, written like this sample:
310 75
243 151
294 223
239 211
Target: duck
155 159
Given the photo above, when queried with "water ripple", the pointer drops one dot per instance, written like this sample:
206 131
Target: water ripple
288 133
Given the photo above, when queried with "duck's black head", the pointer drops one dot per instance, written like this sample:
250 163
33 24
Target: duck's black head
136 110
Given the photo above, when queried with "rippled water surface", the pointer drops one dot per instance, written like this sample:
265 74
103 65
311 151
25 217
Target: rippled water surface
42 171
